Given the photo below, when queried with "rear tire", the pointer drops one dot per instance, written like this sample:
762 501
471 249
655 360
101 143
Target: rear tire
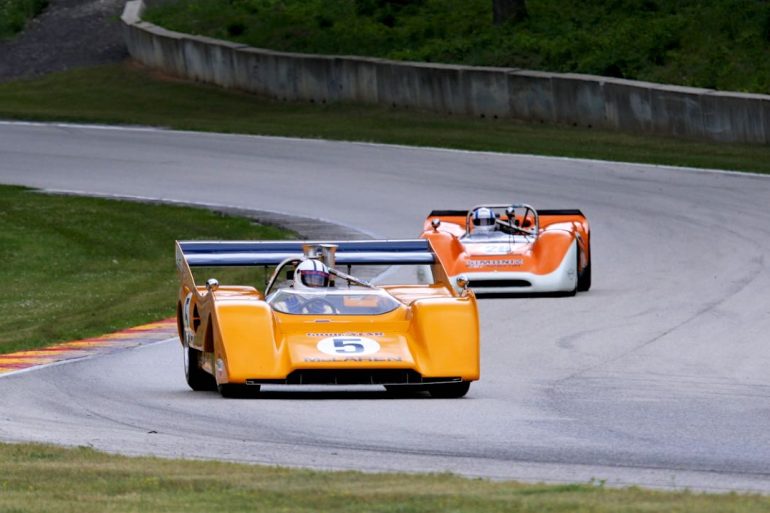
197 378
237 391
449 390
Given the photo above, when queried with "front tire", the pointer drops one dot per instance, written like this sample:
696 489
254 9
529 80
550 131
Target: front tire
584 281
584 278
449 390
197 378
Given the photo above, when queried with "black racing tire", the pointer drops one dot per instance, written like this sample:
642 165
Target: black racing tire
449 390
238 391
584 280
198 379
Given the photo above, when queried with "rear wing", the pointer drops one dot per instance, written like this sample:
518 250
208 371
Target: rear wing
268 253
546 217
191 254
463 213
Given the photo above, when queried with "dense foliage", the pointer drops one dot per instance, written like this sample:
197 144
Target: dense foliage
15 13
723 44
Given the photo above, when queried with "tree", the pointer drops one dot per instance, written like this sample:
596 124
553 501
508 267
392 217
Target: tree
504 11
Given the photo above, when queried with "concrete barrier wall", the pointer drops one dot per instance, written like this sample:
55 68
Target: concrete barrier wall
569 99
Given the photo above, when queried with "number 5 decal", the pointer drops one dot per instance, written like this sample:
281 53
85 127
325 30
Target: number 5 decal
348 345
341 346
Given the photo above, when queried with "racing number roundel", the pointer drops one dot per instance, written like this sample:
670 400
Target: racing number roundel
344 346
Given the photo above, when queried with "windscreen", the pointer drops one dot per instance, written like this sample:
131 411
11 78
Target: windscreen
332 302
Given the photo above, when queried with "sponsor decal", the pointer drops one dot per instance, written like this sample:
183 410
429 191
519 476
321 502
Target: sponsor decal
495 263
348 346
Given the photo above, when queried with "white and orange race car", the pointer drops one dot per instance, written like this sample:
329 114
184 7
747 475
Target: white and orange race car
512 249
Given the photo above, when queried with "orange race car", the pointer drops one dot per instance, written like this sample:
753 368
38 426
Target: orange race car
512 249
314 324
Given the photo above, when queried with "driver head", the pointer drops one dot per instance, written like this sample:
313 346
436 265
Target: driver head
483 220
311 274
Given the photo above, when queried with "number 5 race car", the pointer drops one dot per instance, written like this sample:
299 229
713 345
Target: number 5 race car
324 326
512 249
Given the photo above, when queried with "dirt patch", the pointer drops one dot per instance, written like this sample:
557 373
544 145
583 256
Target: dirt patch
68 34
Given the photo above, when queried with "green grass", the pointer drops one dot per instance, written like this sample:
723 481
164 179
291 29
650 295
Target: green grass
37 478
723 44
14 15
129 95
78 267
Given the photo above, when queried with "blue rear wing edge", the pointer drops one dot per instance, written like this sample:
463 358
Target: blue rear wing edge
258 253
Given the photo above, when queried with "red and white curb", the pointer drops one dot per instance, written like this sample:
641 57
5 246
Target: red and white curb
78 349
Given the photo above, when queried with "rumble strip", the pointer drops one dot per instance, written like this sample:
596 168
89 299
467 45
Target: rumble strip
131 337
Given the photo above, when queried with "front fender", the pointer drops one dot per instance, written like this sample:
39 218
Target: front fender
445 337
245 342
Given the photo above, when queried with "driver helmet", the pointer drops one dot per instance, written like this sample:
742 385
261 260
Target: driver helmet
311 274
483 220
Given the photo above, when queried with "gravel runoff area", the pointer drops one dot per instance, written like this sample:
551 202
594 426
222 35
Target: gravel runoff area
68 34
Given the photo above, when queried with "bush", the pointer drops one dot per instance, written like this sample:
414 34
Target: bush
721 44
15 13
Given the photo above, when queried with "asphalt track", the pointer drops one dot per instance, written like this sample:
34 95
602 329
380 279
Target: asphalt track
659 376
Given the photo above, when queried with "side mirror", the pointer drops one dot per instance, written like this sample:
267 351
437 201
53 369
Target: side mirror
462 282
212 284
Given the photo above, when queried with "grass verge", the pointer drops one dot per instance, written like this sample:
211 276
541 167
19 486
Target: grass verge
78 267
38 478
130 95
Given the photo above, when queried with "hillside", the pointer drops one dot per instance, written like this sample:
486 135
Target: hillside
721 44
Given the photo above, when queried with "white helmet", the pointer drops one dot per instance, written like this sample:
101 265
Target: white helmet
483 220
311 274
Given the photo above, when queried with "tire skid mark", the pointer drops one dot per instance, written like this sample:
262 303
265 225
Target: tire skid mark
77 349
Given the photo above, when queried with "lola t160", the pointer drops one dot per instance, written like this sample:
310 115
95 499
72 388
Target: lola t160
315 323
512 249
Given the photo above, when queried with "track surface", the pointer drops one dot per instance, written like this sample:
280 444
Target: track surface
658 376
